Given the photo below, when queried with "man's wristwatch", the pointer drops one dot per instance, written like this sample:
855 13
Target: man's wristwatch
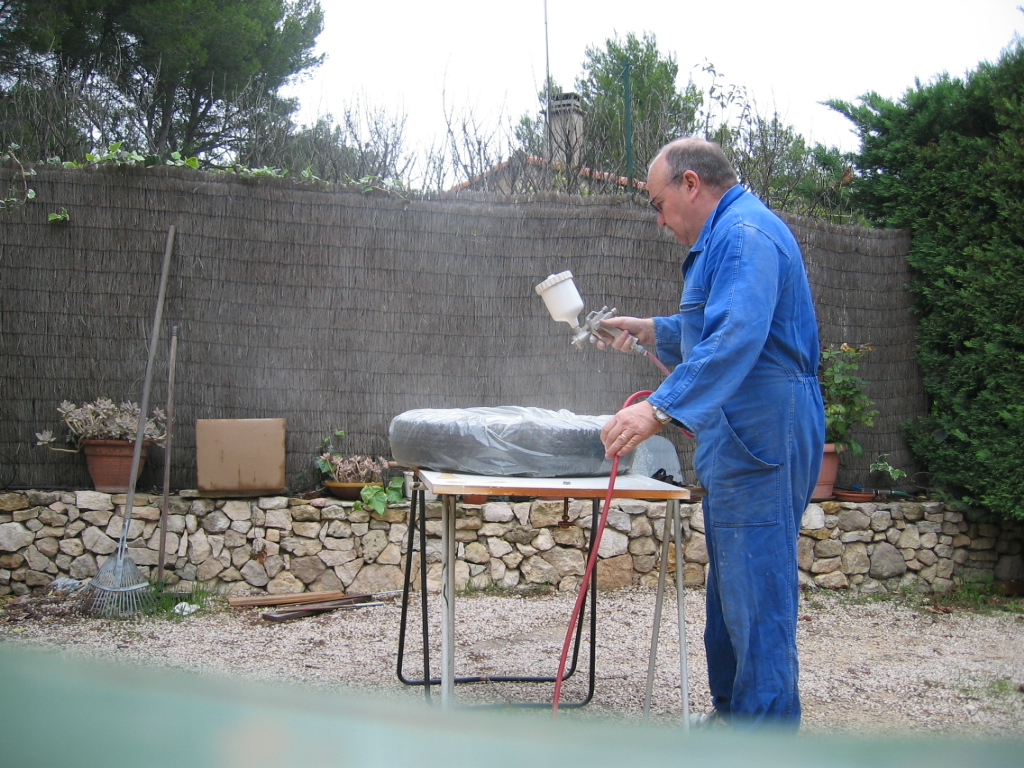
660 415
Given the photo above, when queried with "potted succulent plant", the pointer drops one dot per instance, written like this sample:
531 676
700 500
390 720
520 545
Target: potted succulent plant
105 432
357 478
846 407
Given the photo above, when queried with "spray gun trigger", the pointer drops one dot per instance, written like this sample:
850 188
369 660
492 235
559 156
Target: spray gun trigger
609 336
594 330
636 346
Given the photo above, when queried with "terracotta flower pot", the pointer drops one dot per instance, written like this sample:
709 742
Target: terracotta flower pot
858 496
827 475
110 463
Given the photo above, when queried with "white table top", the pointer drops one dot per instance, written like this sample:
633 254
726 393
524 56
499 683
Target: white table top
626 486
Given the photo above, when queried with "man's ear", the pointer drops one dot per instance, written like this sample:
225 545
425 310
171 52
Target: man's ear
690 184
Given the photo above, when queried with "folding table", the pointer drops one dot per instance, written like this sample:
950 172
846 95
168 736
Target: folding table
449 485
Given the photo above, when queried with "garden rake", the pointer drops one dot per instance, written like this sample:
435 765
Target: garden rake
119 589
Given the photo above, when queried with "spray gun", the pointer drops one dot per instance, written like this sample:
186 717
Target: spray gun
565 304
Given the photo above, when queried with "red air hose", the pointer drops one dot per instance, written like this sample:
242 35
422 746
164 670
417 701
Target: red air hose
657 362
595 544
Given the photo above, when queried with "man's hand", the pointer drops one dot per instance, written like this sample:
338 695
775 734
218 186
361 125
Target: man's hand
637 330
628 428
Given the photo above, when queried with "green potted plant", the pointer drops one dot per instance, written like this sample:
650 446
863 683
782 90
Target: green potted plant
846 407
105 432
881 464
886 477
357 478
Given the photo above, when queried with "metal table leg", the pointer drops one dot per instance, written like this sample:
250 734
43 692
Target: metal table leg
674 531
417 514
447 600
684 681
652 657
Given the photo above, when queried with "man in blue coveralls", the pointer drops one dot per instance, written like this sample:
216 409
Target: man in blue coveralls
744 347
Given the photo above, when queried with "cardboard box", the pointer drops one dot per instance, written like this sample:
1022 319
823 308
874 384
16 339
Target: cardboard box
240 456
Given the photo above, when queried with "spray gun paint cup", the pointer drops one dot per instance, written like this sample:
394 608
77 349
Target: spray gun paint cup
561 298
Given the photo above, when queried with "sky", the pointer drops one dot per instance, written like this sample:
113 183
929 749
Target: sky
414 57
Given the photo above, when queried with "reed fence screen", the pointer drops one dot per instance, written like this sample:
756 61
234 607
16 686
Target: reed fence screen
338 310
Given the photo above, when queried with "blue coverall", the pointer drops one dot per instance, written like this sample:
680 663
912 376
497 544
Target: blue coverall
745 350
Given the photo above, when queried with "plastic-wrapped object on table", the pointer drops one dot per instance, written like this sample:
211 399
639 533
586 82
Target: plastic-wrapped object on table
655 454
505 440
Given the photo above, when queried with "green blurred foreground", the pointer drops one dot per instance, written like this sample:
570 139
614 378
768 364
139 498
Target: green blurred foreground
61 712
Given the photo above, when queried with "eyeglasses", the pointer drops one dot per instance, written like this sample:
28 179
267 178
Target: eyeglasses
657 206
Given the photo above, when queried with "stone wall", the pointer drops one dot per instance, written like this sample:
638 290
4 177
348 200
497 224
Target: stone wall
285 545
886 547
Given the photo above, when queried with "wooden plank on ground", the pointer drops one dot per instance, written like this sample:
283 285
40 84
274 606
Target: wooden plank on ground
303 597
327 604
312 609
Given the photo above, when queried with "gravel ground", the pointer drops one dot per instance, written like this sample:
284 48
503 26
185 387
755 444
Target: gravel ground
867 665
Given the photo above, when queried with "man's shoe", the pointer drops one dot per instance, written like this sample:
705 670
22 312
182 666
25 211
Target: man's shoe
707 720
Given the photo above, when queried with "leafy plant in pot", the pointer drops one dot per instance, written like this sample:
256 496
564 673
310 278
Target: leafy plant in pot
846 407
105 432
357 478
886 477
881 485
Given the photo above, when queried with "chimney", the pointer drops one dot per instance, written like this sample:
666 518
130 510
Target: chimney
564 140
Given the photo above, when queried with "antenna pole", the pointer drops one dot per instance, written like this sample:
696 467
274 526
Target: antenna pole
547 85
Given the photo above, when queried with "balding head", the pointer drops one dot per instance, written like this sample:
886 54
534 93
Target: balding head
705 158
685 183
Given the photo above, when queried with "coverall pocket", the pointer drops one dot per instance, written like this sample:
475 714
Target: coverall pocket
693 300
746 491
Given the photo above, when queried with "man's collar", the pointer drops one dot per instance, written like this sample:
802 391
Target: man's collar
723 203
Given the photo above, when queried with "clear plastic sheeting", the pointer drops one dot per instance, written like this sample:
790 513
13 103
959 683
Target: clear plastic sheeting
505 440
654 454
